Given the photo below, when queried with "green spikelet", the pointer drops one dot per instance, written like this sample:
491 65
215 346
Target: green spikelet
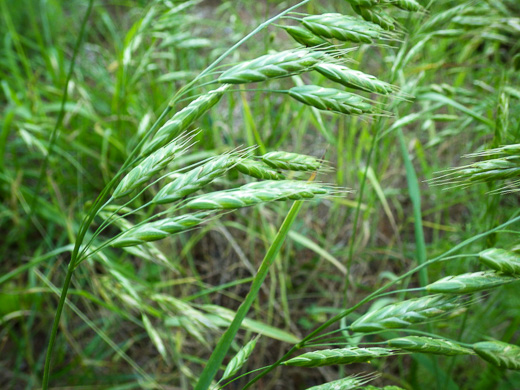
192 181
344 28
256 193
258 169
182 119
376 16
269 66
499 354
151 165
363 3
158 230
305 37
328 357
354 79
408 5
429 345
406 313
331 99
291 161
239 360
350 382
501 260
469 283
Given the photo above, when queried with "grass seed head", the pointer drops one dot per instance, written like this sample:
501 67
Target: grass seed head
270 66
376 16
354 79
499 354
408 5
193 180
259 192
239 360
501 260
258 169
158 230
330 99
469 283
306 37
151 165
291 161
406 313
350 382
182 119
329 357
429 345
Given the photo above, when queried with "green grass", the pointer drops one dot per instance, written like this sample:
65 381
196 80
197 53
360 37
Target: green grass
152 316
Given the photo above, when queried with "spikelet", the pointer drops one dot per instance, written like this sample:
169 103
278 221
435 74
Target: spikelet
269 66
306 37
355 79
376 16
151 165
350 382
499 354
256 193
291 161
331 99
408 5
501 260
429 345
345 28
193 180
239 360
328 357
158 230
258 169
406 313
182 119
363 3
469 283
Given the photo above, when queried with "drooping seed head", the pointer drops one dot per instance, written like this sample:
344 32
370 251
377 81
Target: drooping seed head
429 345
259 192
151 165
329 357
499 354
354 79
406 313
270 66
469 283
182 119
306 37
258 169
158 230
291 161
193 180
501 260
376 16
408 5
331 99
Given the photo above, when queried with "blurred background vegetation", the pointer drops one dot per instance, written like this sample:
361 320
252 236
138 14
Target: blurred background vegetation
463 77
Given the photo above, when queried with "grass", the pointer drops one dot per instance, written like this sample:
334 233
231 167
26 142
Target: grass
101 210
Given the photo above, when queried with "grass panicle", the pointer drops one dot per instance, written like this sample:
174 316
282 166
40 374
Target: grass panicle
306 38
329 357
499 354
406 313
501 260
408 5
350 382
469 283
429 345
183 119
239 360
376 16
